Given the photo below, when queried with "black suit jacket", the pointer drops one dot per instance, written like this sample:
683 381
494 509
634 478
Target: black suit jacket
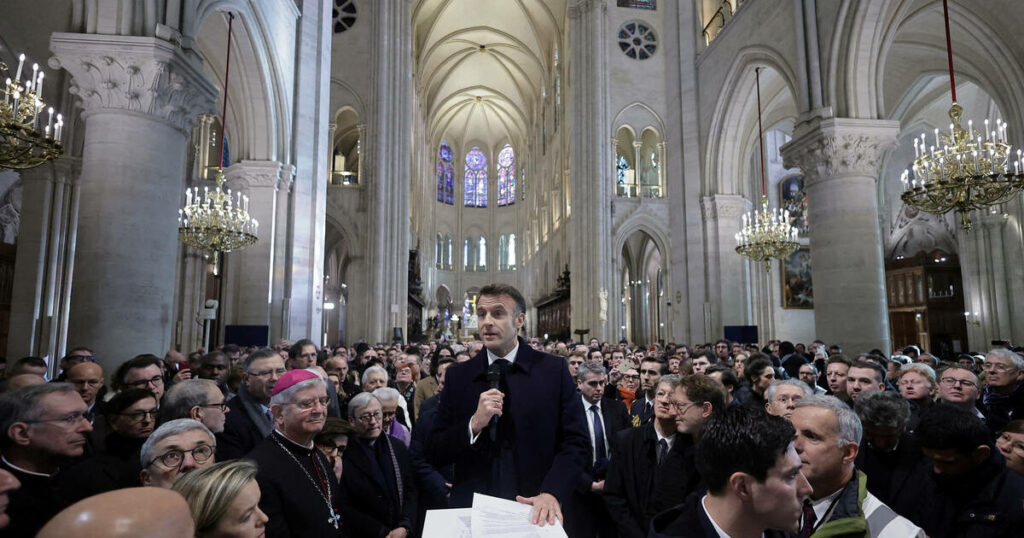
689 520
639 411
244 427
551 437
372 508
616 419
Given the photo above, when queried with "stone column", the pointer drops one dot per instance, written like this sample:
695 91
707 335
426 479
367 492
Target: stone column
331 129
250 269
840 160
387 179
42 273
140 96
591 179
727 275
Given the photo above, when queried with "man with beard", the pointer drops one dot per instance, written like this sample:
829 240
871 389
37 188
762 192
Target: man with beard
377 479
299 492
249 420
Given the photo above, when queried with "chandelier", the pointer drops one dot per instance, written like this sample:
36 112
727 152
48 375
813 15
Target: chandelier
766 234
964 169
25 141
213 220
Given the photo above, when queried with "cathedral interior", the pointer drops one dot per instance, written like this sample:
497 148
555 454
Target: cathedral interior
600 155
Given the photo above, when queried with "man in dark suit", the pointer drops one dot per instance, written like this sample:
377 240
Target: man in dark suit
537 448
249 421
586 515
642 410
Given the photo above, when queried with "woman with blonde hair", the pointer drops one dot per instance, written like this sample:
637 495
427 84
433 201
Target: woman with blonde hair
224 500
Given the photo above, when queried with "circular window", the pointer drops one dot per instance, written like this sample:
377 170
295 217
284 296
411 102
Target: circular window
344 14
637 40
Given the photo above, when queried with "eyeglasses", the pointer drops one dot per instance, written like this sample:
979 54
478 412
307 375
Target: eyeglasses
139 416
999 367
268 373
69 420
681 406
952 382
172 459
631 377
141 384
222 406
306 405
370 418
82 358
330 447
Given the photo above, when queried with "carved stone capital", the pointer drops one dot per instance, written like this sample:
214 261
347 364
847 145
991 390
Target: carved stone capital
254 175
145 75
582 7
723 207
826 149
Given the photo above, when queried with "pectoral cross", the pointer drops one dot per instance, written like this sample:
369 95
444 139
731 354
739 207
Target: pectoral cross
333 520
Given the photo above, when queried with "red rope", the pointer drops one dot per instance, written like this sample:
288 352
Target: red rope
224 110
760 130
949 49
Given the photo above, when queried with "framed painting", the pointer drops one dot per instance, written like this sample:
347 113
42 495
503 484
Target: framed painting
797 289
793 199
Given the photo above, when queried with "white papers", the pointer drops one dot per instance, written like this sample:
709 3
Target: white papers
490 516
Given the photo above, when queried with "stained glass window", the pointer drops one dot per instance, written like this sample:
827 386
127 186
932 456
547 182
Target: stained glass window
481 264
476 178
637 40
502 253
445 175
506 176
511 257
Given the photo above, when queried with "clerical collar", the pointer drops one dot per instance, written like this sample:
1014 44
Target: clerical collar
587 405
286 438
26 471
511 357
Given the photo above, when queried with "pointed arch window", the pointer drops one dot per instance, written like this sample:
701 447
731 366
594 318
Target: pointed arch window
448 252
445 175
511 256
506 176
468 254
476 178
481 263
502 253
439 252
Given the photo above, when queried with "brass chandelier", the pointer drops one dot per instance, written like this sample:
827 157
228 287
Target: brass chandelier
766 234
964 169
26 141
214 220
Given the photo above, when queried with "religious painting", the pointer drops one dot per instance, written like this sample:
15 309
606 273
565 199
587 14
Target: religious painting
797 290
638 4
794 200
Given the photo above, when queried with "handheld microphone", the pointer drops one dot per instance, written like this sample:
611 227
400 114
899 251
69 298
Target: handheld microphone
494 374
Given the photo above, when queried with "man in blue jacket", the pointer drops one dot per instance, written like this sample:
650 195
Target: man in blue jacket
524 439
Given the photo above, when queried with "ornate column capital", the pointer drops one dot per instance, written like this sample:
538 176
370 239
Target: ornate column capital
582 7
724 206
146 75
834 147
254 175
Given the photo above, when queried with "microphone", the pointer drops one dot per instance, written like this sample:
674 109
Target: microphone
494 373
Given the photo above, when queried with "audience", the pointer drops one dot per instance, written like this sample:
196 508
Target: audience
863 376
224 500
249 420
783 395
175 449
960 386
1003 398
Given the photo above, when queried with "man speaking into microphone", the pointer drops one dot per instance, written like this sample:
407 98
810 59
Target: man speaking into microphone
506 418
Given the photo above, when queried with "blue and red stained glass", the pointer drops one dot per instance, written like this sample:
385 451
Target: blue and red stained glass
476 178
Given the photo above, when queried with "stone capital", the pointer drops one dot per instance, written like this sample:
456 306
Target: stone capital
835 147
724 206
254 175
144 75
582 7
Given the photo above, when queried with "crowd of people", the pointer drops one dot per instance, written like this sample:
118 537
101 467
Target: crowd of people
610 439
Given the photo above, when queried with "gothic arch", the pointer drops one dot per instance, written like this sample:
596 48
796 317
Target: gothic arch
638 117
345 96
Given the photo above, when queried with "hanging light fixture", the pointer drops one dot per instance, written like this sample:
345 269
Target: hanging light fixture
26 140
214 220
766 234
965 169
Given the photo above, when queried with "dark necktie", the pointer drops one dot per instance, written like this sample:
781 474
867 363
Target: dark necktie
599 450
662 450
648 411
809 519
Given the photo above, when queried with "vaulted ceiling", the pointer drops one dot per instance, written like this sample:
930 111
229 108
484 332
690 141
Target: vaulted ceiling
482 65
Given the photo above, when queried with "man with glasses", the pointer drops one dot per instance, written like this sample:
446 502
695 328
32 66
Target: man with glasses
77 355
301 355
175 449
141 372
959 386
299 492
378 479
1003 399
248 420
43 426
197 399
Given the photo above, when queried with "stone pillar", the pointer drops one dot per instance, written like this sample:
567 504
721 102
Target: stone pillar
727 280
278 231
42 273
840 160
331 129
140 96
389 151
250 269
591 179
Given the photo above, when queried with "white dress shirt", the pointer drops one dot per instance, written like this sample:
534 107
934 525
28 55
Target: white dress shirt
590 425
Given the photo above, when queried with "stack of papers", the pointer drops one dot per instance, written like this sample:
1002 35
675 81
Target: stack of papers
489 516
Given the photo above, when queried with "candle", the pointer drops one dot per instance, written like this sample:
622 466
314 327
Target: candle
32 81
970 129
937 143
986 129
49 122
39 86
21 63
188 197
